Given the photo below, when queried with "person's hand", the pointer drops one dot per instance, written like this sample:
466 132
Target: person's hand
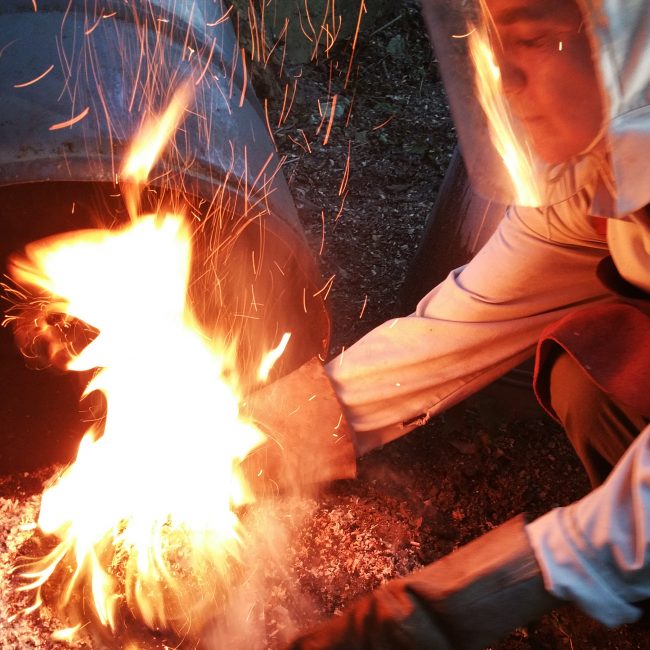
309 440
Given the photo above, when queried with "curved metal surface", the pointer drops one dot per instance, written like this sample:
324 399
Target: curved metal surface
115 64
111 65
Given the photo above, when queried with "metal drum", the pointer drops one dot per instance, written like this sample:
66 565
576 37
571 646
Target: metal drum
78 80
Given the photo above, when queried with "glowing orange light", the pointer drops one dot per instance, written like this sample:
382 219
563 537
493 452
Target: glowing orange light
172 430
272 356
489 87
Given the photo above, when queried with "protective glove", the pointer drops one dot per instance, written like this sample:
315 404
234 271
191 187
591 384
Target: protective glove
465 600
309 439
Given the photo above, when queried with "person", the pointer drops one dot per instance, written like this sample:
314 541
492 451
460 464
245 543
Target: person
567 271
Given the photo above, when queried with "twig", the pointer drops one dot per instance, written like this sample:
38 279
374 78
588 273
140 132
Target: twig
386 26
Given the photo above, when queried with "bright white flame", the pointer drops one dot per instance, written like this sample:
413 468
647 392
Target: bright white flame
154 488
163 478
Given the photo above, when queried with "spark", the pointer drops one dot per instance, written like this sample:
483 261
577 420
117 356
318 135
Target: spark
207 64
9 44
223 18
383 124
284 56
311 26
272 356
275 45
339 214
323 115
298 144
72 121
336 29
268 119
305 139
363 308
90 30
284 114
255 33
346 172
362 10
331 120
35 79
284 103
326 287
245 82
469 33
349 117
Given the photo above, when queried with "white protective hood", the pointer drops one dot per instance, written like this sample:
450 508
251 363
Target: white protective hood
615 167
620 32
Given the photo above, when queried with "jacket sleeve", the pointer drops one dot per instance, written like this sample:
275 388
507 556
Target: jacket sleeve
596 551
476 325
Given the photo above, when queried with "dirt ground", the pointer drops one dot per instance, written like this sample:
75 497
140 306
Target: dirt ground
423 496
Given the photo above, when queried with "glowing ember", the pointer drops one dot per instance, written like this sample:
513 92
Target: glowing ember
171 432
490 93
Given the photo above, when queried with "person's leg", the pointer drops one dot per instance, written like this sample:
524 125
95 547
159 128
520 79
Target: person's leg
599 428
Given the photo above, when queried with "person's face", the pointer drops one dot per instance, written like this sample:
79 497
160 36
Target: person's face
548 74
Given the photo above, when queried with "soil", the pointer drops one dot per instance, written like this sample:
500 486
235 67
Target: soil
364 196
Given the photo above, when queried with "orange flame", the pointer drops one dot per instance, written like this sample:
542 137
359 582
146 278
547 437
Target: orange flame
148 145
492 98
154 491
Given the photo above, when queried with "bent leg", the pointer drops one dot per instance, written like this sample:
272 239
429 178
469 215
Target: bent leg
599 428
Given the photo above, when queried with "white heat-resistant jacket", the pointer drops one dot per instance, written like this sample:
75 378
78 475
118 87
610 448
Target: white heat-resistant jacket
486 317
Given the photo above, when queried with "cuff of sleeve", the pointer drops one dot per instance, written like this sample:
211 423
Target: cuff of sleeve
570 573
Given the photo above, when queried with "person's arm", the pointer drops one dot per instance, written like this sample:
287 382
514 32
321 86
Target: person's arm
596 552
479 323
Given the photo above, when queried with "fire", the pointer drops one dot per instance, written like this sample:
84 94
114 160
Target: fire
490 93
156 481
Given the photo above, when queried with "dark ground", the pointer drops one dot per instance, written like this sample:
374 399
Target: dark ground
468 471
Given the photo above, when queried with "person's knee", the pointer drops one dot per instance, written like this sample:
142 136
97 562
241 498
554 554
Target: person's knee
575 398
